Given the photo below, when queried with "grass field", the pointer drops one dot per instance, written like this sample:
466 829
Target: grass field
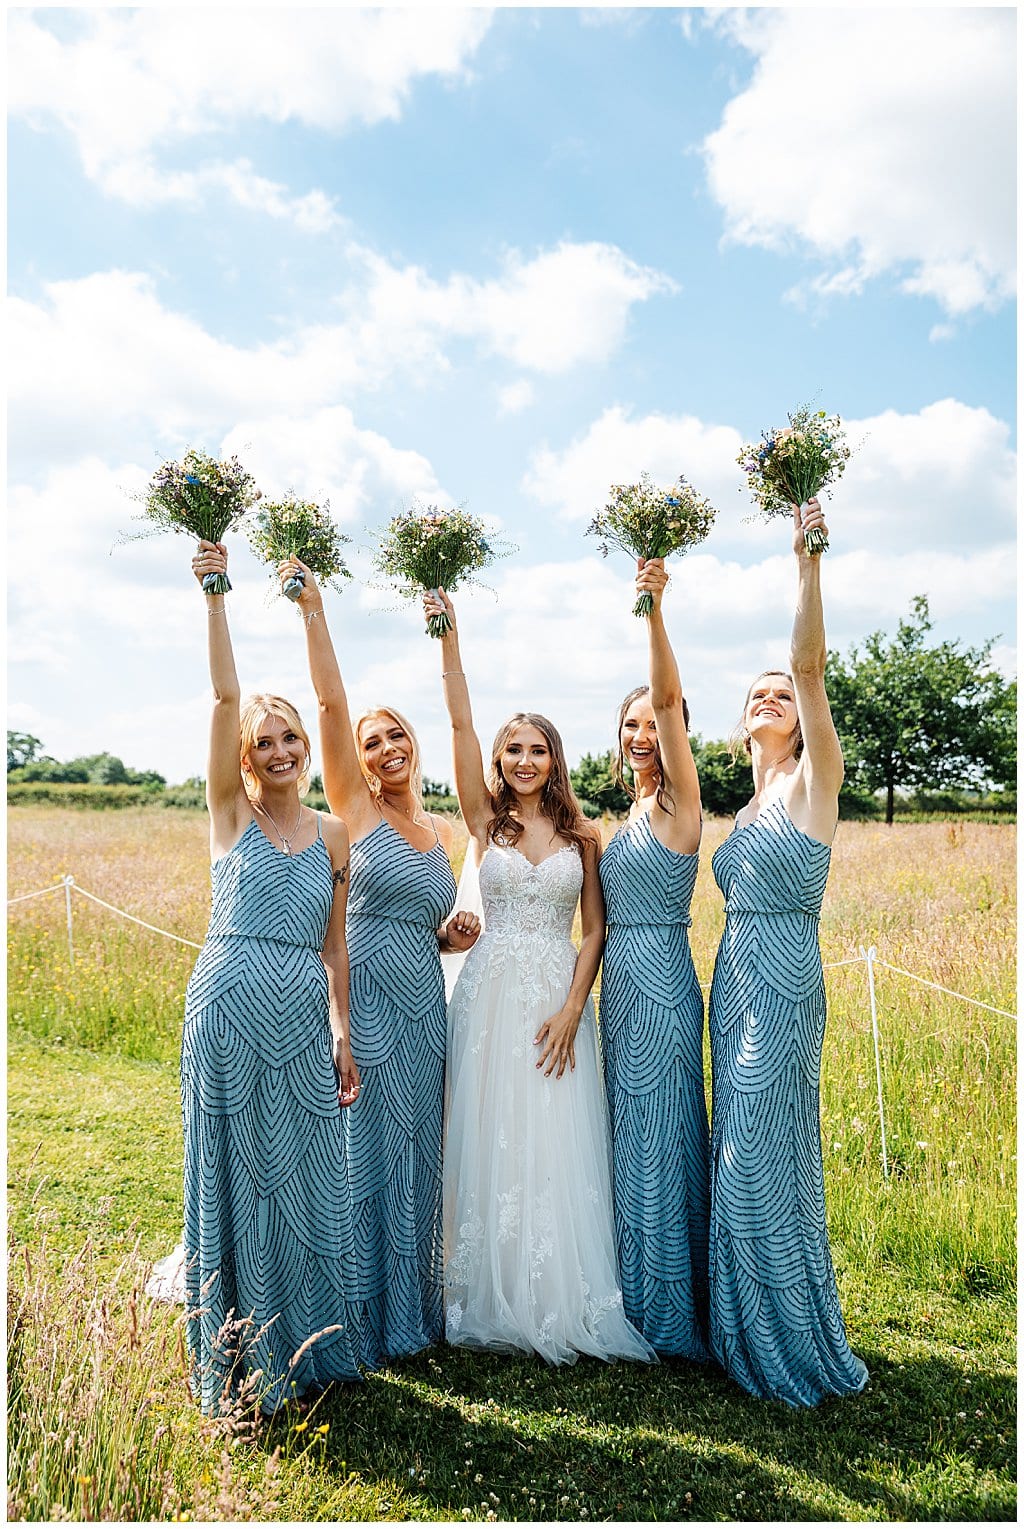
100 1421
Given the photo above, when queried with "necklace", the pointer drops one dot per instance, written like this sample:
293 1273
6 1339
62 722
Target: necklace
286 839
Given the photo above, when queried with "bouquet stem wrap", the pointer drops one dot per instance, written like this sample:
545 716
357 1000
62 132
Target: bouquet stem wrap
438 625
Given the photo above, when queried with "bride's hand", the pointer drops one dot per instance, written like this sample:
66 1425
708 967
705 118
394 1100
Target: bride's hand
461 931
558 1036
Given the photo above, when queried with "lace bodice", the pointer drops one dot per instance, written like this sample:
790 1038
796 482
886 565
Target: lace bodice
521 898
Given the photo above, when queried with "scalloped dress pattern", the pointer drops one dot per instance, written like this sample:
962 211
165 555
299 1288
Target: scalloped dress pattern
268 1248
776 1324
530 1258
652 1029
398 898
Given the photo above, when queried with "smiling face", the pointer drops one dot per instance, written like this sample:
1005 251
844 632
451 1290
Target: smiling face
638 736
387 751
770 711
273 745
525 760
277 755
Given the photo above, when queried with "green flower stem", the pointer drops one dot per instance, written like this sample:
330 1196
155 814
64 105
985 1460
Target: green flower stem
815 541
216 584
644 605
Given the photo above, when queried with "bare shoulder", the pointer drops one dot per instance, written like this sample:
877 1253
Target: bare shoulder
336 837
592 834
442 826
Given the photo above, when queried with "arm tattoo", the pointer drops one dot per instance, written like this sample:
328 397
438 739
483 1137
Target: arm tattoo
340 877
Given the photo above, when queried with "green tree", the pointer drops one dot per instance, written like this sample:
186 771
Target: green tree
725 785
917 716
22 749
596 787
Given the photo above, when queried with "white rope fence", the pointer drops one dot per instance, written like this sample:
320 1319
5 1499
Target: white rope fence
69 884
868 957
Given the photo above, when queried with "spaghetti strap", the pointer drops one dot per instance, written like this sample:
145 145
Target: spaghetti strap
319 825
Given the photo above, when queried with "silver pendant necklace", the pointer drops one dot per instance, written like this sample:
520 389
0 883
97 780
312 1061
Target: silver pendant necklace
286 839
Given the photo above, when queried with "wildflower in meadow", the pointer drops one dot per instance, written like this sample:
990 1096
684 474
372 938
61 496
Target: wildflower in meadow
648 521
790 466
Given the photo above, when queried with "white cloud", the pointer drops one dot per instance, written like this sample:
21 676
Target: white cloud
137 180
880 139
942 478
325 455
563 308
128 85
616 448
100 362
516 397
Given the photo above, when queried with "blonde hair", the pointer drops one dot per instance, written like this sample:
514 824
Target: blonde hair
252 716
739 738
415 774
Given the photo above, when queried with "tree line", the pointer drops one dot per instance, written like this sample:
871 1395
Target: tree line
912 717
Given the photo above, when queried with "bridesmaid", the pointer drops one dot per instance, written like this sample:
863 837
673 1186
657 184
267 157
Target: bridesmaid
401 893
652 1012
265 1065
776 1326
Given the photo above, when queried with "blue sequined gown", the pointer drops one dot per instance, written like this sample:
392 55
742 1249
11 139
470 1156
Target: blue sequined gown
776 1326
268 1229
398 898
652 1025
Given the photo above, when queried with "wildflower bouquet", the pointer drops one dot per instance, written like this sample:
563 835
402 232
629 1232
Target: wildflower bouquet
648 521
297 528
203 498
431 548
787 467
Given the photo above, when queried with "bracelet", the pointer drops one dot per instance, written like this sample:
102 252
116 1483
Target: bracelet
447 673
217 610
312 617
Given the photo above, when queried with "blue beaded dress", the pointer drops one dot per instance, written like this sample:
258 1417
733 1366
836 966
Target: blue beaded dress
652 1026
268 1228
398 898
776 1326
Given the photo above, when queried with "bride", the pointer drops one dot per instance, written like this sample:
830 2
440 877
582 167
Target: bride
530 1257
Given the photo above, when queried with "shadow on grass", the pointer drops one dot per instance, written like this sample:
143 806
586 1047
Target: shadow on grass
452 1434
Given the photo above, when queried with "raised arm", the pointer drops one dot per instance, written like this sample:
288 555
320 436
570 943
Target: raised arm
344 783
557 1036
679 829
225 795
335 959
821 764
467 757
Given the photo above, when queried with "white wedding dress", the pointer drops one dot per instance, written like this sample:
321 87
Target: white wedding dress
530 1258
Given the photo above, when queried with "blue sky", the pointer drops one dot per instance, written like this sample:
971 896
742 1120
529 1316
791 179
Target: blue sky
501 257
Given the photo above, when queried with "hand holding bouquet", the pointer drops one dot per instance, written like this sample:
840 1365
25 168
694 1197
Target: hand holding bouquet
648 521
791 466
203 498
300 529
431 548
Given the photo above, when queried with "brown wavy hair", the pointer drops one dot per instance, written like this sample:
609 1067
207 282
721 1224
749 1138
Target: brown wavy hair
558 800
739 738
663 796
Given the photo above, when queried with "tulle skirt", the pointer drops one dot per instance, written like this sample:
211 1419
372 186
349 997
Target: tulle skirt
530 1260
